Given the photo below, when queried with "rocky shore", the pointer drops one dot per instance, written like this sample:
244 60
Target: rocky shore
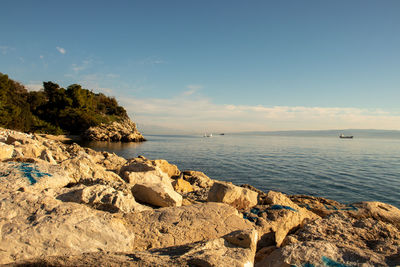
65 205
117 131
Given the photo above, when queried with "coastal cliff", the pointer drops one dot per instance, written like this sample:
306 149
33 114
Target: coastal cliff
65 205
117 131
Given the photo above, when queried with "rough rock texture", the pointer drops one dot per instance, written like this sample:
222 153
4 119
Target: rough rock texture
103 197
122 131
149 183
82 167
157 194
320 206
6 151
142 164
378 211
37 225
238 197
37 176
177 226
280 217
217 252
182 186
170 169
341 240
198 179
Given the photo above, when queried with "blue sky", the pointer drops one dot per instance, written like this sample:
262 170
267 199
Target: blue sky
199 66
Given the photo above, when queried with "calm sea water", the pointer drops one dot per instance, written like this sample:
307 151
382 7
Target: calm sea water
360 169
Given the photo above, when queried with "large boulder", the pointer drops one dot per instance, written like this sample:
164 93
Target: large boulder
149 184
156 193
216 252
37 225
58 150
170 169
103 197
198 179
142 164
238 197
378 211
321 206
82 167
15 136
6 151
279 217
175 226
29 150
182 186
111 161
26 176
339 240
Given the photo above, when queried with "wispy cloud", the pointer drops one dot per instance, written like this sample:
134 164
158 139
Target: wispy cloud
82 66
192 89
34 86
199 114
6 49
61 50
151 61
112 75
93 82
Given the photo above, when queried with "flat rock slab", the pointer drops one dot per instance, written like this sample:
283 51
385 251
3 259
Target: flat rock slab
238 197
37 225
31 176
177 226
341 240
216 252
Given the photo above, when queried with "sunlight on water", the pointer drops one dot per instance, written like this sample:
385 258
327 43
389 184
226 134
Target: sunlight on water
344 170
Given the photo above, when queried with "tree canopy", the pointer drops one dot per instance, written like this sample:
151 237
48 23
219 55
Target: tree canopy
54 109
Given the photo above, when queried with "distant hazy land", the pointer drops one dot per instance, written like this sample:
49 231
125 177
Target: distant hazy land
357 133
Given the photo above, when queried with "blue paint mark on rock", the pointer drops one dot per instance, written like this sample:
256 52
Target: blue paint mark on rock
29 171
255 211
329 207
247 216
331 263
281 207
349 207
327 262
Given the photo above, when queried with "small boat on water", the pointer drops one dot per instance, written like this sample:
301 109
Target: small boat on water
207 135
346 136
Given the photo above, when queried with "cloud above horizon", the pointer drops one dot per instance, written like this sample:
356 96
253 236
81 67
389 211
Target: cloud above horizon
61 50
5 49
191 89
34 86
191 113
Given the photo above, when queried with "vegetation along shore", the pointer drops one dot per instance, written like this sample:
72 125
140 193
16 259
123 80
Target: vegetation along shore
72 111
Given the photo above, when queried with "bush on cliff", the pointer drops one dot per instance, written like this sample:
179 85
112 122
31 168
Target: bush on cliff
54 109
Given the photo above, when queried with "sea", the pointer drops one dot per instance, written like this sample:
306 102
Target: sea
346 170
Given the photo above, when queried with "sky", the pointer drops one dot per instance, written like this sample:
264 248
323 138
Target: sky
216 66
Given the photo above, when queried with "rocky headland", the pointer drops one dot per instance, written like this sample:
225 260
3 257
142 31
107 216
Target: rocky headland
117 131
65 205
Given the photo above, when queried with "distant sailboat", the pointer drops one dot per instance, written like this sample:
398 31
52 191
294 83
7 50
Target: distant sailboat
207 135
345 136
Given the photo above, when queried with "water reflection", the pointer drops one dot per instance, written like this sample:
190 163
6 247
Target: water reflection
110 146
